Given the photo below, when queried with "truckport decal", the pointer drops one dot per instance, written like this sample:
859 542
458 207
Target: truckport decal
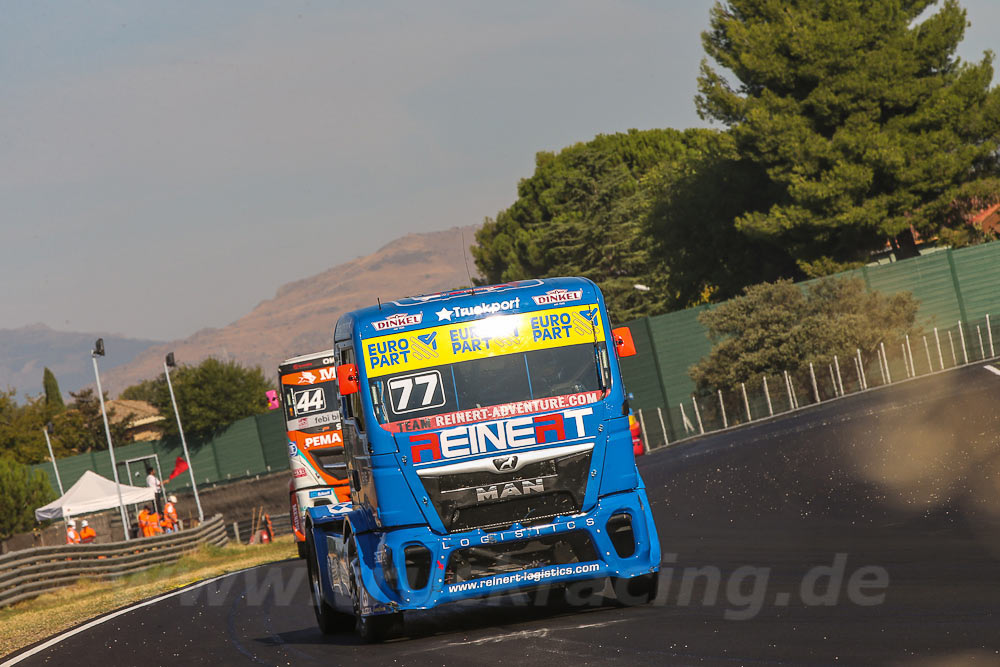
479 339
499 436
494 412
481 309
524 577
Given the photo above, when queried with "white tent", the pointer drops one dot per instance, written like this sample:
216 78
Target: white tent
92 493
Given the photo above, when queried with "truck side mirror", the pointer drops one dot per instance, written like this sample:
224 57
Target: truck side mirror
347 379
624 345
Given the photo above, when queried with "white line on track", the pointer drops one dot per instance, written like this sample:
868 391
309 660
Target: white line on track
992 369
86 626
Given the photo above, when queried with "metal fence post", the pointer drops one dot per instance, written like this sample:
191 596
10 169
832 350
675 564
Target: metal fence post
812 374
951 342
881 368
663 427
642 425
885 358
236 531
688 426
982 350
697 414
989 334
840 380
909 354
788 390
795 396
746 401
767 395
927 348
833 380
906 363
961 334
937 339
722 408
861 370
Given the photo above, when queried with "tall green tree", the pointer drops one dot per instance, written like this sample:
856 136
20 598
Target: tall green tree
704 258
21 492
860 114
209 396
779 326
581 213
53 397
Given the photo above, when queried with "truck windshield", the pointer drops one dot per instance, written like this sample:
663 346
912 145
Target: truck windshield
309 404
578 371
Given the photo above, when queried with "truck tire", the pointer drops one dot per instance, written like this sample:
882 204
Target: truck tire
637 590
303 548
327 618
370 629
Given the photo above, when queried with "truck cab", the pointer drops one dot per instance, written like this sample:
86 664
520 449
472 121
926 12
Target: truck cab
488 450
311 407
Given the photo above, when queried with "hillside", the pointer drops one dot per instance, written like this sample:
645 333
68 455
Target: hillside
301 316
26 351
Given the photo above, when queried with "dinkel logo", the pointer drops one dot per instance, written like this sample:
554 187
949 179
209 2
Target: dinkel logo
398 320
558 296
505 463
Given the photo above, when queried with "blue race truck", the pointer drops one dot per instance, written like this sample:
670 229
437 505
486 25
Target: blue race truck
487 443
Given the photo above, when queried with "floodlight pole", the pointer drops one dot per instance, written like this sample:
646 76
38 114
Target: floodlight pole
99 351
52 456
180 429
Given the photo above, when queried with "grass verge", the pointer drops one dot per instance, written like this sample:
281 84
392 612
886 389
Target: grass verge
29 621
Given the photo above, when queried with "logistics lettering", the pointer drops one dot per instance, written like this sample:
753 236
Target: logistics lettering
498 435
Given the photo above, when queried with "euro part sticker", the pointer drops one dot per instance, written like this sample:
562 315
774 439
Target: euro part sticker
478 339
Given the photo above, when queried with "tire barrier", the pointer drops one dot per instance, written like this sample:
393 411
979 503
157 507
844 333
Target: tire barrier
29 573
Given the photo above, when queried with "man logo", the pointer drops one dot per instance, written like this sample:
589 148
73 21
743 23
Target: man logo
505 463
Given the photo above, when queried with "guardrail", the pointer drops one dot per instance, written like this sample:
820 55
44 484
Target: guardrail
29 573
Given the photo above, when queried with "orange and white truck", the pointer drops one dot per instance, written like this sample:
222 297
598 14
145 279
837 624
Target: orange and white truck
310 404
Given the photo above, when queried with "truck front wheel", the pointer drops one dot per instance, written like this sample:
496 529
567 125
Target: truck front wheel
637 590
370 628
327 618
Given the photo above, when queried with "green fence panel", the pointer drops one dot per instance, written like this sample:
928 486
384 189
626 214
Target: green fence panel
273 440
978 272
641 373
238 450
680 341
929 279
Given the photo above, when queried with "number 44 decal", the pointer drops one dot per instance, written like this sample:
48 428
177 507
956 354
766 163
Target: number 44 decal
308 401
416 392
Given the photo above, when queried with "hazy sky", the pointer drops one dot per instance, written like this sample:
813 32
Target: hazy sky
165 166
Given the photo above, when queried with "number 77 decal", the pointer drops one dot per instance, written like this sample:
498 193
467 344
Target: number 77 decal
430 392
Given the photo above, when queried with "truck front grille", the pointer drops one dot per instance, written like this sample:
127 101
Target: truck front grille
496 500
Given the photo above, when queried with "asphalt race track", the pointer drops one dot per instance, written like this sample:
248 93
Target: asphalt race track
864 531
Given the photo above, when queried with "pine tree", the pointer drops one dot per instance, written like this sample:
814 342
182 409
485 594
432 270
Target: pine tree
53 397
861 115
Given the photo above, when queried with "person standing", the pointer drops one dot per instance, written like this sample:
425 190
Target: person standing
144 521
87 534
155 484
170 520
72 537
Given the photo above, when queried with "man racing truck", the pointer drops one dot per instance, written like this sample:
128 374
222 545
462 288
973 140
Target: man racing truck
311 407
487 444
